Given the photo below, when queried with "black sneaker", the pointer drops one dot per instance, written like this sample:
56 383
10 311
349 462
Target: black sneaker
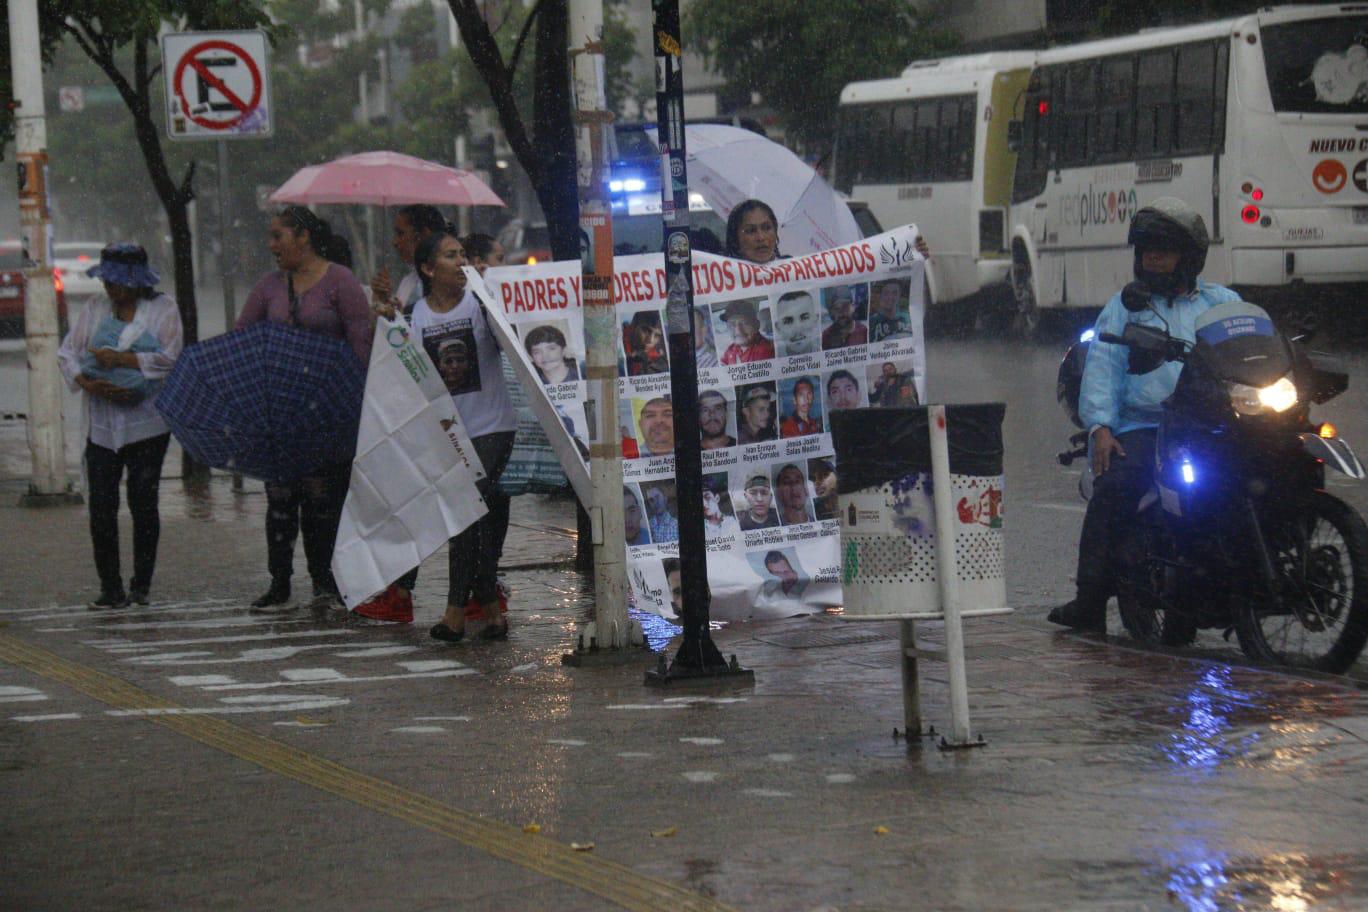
1081 616
274 597
138 596
108 600
325 597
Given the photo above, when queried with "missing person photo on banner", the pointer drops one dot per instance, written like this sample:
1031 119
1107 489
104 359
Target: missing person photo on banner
779 347
548 346
451 346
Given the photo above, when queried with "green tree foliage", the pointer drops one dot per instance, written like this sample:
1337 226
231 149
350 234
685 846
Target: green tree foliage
542 137
1123 17
121 39
799 55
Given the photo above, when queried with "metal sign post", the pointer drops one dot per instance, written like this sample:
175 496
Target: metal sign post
698 657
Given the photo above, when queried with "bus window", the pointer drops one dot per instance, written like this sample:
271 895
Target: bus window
1196 97
905 139
1316 66
1033 161
1115 121
1076 113
1154 107
964 136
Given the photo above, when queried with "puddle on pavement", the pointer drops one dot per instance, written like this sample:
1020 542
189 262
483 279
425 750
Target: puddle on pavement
1288 883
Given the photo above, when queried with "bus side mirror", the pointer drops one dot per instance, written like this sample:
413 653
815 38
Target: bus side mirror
1014 132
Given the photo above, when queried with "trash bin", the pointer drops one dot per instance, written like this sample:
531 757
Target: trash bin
888 521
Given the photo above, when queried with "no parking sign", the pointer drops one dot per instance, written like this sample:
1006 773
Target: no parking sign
217 85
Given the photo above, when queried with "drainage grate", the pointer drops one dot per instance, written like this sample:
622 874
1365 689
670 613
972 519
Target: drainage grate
812 639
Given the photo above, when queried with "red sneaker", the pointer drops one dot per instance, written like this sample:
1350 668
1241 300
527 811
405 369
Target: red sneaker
474 612
393 606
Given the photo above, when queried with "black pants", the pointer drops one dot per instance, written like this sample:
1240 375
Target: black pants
1116 495
473 556
313 505
143 461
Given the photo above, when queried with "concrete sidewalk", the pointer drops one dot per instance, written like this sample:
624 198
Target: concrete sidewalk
304 762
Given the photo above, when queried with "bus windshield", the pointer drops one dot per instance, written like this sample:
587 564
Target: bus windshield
1318 66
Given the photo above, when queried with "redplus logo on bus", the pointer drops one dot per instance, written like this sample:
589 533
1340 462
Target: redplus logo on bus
1095 207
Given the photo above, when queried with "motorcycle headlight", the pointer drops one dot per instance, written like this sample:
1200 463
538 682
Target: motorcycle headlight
1254 400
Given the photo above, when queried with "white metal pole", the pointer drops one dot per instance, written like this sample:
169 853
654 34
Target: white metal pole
610 628
947 573
47 447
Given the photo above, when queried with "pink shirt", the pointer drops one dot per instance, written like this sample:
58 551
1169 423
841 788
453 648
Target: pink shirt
336 306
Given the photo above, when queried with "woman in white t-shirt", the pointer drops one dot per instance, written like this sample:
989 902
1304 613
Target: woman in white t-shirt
455 332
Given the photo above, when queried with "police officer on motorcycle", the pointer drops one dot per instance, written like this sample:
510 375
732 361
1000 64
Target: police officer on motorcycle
1121 400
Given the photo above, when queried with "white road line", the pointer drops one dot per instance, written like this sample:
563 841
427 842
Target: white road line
297 705
53 717
16 694
141 609
1061 508
444 673
85 610
702 742
265 654
430 665
419 730
637 706
200 680
198 641
197 625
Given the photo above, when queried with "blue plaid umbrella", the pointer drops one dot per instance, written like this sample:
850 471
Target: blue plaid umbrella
270 401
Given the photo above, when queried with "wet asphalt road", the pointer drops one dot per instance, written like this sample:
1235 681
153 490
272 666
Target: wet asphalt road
1113 779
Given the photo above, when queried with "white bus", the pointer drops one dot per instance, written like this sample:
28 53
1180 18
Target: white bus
930 147
1260 123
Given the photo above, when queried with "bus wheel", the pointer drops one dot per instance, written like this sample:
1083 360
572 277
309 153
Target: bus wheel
1026 316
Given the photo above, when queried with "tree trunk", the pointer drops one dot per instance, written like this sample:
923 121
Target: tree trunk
555 137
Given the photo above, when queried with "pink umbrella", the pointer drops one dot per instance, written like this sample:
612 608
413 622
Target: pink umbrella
385 179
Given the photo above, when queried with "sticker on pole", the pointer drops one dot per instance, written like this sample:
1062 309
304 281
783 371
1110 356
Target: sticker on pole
218 85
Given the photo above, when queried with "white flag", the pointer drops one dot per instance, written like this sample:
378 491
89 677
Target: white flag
413 479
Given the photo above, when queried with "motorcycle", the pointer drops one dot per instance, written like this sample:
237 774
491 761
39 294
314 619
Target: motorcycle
1237 532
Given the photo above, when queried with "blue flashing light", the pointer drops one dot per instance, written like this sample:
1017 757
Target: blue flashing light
1088 335
633 185
1189 474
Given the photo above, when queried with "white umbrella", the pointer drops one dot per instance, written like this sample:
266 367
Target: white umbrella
728 165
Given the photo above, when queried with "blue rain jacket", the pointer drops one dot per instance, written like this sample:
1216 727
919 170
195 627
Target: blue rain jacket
1112 398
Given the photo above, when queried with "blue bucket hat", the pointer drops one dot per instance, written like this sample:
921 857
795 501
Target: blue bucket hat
126 265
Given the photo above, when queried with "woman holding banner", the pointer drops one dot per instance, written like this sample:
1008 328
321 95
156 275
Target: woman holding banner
753 233
449 312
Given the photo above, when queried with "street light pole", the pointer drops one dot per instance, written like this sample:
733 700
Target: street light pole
698 656
48 484
611 632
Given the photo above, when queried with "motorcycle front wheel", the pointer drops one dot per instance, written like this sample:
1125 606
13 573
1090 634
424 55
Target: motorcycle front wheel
1142 590
1319 619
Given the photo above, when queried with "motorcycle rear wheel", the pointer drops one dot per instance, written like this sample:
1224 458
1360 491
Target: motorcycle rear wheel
1320 619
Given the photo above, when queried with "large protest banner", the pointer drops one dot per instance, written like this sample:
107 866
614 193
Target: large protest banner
779 347
413 478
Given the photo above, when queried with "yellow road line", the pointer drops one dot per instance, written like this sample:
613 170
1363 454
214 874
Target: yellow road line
612 881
